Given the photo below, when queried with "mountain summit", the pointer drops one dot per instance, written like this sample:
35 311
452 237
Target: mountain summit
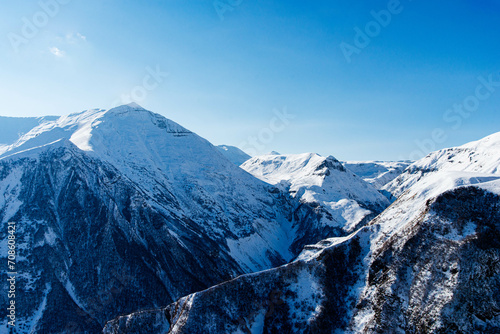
342 199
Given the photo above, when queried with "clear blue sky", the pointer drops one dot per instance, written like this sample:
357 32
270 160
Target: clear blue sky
226 76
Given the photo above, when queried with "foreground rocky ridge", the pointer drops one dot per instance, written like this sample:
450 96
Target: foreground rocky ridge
435 269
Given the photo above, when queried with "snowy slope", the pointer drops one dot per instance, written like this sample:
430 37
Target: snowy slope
323 183
428 264
234 154
481 156
162 158
377 173
101 195
11 128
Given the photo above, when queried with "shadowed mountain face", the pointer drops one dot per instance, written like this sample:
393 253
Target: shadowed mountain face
90 237
124 210
436 272
428 264
441 274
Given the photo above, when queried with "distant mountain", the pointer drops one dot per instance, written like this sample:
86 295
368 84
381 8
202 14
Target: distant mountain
427 264
481 156
344 200
15 127
377 173
234 154
122 209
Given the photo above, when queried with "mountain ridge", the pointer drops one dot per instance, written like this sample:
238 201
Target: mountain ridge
428 263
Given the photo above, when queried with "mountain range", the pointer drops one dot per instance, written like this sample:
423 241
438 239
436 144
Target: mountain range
428 264
123 209
130 222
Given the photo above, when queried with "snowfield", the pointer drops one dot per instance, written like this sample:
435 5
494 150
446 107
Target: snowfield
347 199
377 173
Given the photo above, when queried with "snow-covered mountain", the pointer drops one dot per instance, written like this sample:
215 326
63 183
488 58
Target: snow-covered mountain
123 209
343 199
377 173
481 156
14 127
427 264
233 154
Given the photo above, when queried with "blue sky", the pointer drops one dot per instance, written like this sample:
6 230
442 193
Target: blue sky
233 65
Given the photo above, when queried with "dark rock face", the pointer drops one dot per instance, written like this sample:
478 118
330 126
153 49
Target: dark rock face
122 211
93 245
445 276
90 233
439 273
301 297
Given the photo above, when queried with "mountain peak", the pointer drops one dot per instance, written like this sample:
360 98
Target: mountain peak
127 108
132 105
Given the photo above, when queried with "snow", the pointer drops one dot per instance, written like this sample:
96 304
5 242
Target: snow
377 173
274 168
30 279
71 291
315 179
469 165
254 325
53 131
182 172
50 237
319 180
185 304
482 156
474 163
233 154
309 294
492 186
398 216
10 187
163 158
252 251
14 127
350 212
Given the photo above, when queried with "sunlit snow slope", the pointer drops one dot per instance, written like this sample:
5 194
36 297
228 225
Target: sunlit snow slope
344 199
377 173
482 156
234 154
